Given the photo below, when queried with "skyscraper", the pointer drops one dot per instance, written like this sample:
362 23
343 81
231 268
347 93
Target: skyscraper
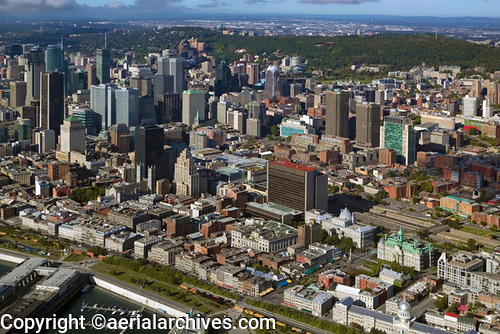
119 135
186 177
91 76
17 94
149 141
127 106
72 135
54 58
253 71
103 57
257 110
193 106
102 101
398 134
222 79
337 113
368 124
272 87
36 66
174 66
470 106
296 186
52 103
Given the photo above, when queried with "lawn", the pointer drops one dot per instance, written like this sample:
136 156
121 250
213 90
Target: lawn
163 289
74 257
476 231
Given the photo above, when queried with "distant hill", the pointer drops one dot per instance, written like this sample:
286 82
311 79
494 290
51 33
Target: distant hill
397 50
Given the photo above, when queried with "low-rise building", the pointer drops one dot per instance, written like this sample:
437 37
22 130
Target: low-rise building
308 300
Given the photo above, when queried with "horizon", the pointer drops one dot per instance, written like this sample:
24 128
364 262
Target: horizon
164 9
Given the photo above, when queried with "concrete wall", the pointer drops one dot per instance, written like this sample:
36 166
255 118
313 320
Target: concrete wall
11 258
137 298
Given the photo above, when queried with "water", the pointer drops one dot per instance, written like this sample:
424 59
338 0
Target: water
6 266
102 298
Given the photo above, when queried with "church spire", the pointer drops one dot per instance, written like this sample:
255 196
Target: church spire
400 234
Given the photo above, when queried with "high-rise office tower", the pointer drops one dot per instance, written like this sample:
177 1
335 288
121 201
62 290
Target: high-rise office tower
52 102
398 133
54 58
91 76
103 102
80 80
492 91
186 177
337 113
487 108
103 59
296 186
144 85
127 106
253 71
169 108
193 106
13 72
35 67
72 135
470 106
308 234
45 140
174 66
162 85
18 90
119 134
222 79
368 124
149 142
257 110
272 87
222 107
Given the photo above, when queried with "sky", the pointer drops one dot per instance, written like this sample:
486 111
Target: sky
46 9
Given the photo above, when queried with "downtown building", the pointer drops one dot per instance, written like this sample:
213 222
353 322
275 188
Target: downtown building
398 133
296 186
407 252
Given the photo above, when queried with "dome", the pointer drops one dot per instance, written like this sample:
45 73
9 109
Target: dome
345 214
404 306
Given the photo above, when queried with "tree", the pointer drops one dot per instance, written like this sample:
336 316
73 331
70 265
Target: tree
454 307
493 228
426 186
441 303
471 244
472 131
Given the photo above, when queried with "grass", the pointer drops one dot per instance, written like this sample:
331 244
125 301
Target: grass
163 289
74 257
476 231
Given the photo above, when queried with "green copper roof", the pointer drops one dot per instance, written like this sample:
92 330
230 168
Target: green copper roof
73 119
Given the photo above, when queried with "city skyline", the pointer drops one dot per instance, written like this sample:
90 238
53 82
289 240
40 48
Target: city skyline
50 9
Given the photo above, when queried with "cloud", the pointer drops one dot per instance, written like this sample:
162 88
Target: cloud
343 2
213 4
115 5
20 6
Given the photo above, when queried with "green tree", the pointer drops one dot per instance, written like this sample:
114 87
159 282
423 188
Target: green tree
426 186
454 307
441 303
472 131
471 244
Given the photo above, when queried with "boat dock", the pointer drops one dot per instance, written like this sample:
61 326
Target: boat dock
113 310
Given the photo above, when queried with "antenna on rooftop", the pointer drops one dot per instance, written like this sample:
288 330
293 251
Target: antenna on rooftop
62 42
105 40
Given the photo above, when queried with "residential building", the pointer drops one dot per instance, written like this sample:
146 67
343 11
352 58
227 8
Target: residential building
337 113
308 300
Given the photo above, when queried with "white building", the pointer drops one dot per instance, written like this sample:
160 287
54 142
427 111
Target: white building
306 299
347 313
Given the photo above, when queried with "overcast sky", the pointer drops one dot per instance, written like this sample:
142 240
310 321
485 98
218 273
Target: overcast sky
157 8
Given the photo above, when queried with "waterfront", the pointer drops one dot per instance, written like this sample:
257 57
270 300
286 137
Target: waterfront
6 266
104 298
